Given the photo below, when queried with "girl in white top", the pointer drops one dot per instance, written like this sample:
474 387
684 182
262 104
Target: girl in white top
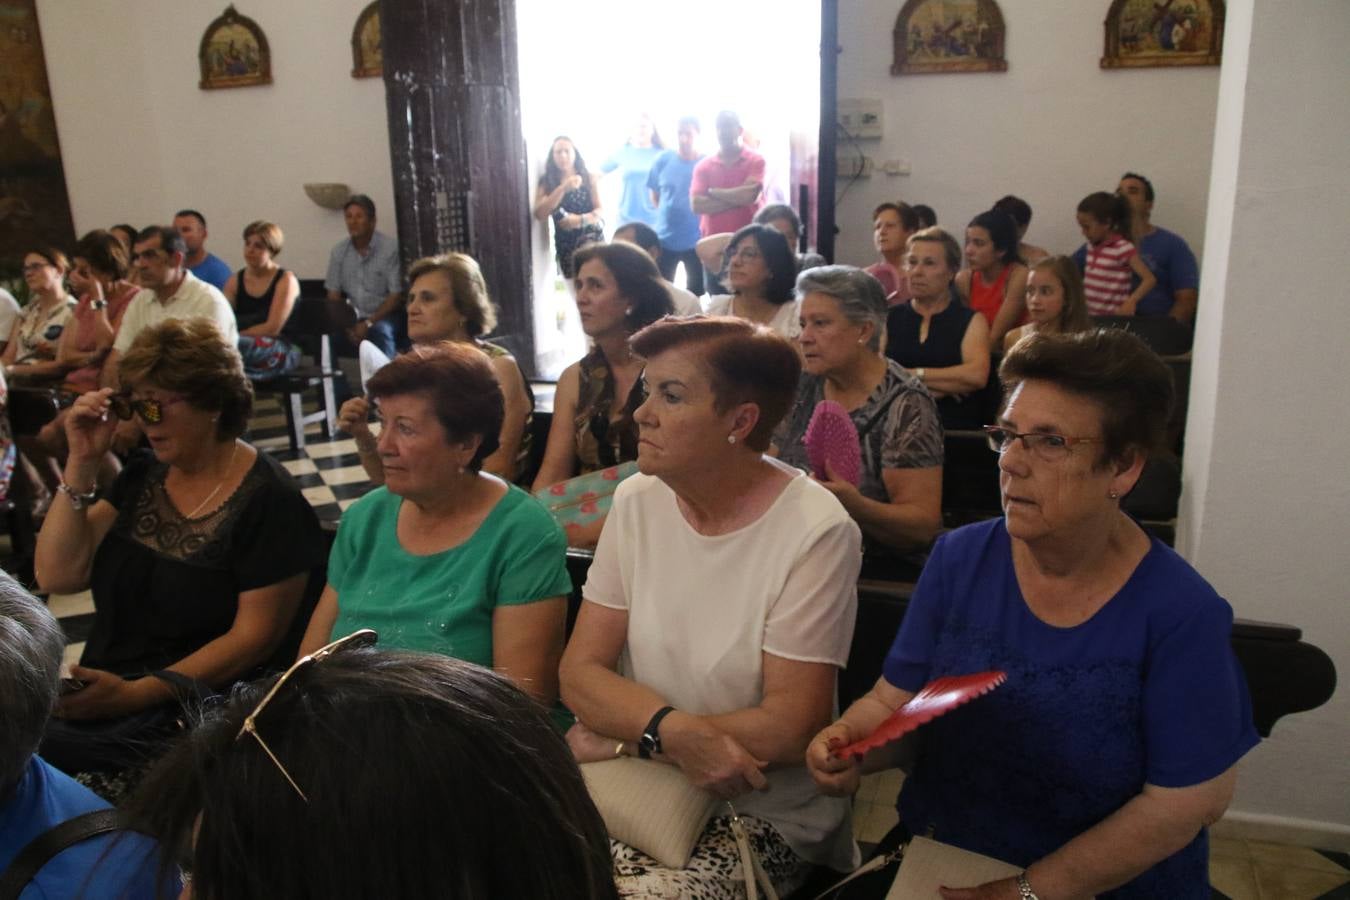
761 272
724 586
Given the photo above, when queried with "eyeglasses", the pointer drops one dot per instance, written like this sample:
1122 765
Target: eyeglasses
1047 446
30 268
745 252
363 638
151 411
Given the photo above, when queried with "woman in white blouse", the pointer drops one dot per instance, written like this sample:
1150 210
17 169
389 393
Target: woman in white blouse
718 610
761 270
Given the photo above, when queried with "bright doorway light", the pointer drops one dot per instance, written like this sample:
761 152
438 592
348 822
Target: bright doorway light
590 68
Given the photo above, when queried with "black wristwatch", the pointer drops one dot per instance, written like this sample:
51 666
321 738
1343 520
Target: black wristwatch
650 742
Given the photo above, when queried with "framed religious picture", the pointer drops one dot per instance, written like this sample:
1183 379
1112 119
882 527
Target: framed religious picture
367 50
949 36
234 53
1150 33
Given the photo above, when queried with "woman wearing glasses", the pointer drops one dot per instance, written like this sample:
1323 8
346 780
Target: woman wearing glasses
761 270
363 774
197 557
31 351
1113 744
445 558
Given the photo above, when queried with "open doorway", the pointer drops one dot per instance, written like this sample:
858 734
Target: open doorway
592 68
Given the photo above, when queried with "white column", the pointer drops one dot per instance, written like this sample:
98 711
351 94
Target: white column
1265 510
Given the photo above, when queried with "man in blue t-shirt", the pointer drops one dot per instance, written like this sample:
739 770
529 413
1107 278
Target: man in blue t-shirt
677 225
34 797
206 266
1166 255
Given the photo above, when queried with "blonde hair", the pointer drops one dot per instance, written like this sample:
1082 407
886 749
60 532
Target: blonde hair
191 357
270 233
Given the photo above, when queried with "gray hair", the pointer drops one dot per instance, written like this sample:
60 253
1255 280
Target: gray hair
861 297
31 647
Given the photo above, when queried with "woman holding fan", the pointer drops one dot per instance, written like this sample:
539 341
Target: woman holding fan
1113 743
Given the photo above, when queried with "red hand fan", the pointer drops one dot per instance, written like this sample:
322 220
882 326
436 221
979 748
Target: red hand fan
939 696
831 437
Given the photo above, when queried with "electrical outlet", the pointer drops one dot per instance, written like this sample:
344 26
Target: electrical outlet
896 167
860 117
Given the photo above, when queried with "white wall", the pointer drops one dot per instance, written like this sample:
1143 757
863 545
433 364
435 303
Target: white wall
140 140
1052 129
1267 479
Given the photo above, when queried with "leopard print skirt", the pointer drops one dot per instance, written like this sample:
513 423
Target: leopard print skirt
714 871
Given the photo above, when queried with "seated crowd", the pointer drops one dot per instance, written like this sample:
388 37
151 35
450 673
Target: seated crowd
425 658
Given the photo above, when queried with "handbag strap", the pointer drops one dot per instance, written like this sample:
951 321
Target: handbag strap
756 878
41 849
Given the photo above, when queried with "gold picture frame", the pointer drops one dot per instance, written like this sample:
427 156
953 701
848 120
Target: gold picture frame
934 36
1163 33
368 44
234 53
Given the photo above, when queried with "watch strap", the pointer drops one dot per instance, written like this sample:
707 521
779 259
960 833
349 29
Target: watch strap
651 735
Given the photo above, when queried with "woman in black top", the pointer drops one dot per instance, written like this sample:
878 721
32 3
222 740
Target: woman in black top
197 558
942 342
263 296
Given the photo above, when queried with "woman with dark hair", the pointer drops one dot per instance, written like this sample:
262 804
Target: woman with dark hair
570 195
263 295
1019 211
98 273
761 271
898 502
445 558
718 611
619 291
363 773
197 557
31 351
126 234
1055 303
1114 741
448 301
994 282
942 342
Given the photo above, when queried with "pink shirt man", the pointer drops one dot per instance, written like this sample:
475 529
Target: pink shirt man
712 172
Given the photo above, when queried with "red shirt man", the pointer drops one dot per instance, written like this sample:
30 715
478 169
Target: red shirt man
726 186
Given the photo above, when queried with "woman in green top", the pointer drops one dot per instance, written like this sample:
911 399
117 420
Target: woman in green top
448 301
446 558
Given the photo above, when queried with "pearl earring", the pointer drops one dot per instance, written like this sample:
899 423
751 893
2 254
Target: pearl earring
731 439
1114 495
628 311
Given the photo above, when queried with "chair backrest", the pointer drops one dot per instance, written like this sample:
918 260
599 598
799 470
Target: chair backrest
312 287
31 407
319 315
1165 335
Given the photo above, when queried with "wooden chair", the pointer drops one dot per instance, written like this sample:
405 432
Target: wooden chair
312 325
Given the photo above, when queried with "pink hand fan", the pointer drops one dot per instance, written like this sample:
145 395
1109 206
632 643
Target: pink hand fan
939 696
831 437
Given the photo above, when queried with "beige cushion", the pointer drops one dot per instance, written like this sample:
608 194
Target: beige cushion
650 806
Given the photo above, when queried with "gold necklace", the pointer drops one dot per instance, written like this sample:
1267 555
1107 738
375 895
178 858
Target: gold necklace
210 496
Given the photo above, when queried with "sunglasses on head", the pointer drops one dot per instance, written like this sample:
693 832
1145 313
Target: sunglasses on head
366 637
151 411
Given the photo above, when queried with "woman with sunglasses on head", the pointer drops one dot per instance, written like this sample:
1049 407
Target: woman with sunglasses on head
30 354
373 774
1114 741
761 270
198 556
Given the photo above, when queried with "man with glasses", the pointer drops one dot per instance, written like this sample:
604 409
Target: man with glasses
168 291
36 798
